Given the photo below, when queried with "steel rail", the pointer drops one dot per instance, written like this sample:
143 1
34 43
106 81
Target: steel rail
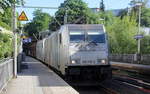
140 87
144 78
132 80
108 90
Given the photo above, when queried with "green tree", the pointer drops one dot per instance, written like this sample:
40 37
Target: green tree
39 23
5 45
6 17
145 17
77 12
6 3
121 35
102 6
107 18
123 13
145 45
145 12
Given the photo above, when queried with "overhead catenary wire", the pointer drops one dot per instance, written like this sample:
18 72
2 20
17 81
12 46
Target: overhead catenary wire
37 7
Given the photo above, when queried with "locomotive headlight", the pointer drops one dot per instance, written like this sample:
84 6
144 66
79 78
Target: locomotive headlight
73 61
103 62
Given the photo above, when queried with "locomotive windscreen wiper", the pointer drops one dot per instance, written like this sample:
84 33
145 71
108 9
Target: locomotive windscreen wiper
97 38
93 42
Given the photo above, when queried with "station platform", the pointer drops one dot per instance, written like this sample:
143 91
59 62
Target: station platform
145 69
36 78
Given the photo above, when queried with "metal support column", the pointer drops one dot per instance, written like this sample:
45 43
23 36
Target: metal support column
14 27
66 17
139 27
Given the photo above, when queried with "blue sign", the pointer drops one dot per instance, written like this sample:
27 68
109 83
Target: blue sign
28 40
138 36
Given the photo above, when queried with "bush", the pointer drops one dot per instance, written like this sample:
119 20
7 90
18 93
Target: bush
5 45
121 35
2 24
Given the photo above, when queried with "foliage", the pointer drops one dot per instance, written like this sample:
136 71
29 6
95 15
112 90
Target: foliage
39 23
121 29
2 24
145 17
123 13
5 45
5 22
121 35
108 18
77 13
6 3
6 17
145 45
145 12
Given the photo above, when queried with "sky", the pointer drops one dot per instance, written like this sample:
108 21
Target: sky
109 4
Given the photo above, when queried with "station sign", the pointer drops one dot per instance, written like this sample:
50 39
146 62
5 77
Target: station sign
138 36
28 40
23 17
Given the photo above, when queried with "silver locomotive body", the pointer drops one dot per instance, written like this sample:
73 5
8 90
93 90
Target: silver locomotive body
88 51
77 50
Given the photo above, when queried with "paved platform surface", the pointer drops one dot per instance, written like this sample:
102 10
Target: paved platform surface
36 78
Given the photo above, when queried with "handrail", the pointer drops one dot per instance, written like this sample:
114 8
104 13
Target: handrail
6 72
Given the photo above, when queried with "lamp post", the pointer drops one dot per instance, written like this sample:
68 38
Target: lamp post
139 4
138 56
66 16
14 27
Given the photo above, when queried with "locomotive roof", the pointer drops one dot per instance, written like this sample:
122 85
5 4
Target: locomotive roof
85 27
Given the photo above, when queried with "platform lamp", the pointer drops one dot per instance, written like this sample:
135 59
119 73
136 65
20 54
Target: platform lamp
139 5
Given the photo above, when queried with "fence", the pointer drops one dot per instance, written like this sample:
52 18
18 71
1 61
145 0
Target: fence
130 58
6 72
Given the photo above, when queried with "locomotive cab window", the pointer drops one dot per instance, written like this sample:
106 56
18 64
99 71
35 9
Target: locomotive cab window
96 37
77 37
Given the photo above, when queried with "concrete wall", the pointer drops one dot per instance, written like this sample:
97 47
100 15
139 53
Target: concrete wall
6 72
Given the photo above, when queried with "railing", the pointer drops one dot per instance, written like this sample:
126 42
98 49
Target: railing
6 72
130 58
5 59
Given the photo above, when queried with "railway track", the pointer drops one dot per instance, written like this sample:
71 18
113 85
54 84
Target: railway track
136 83
95 90
92 88
118 85
124 84
108 90
133 75
136 80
